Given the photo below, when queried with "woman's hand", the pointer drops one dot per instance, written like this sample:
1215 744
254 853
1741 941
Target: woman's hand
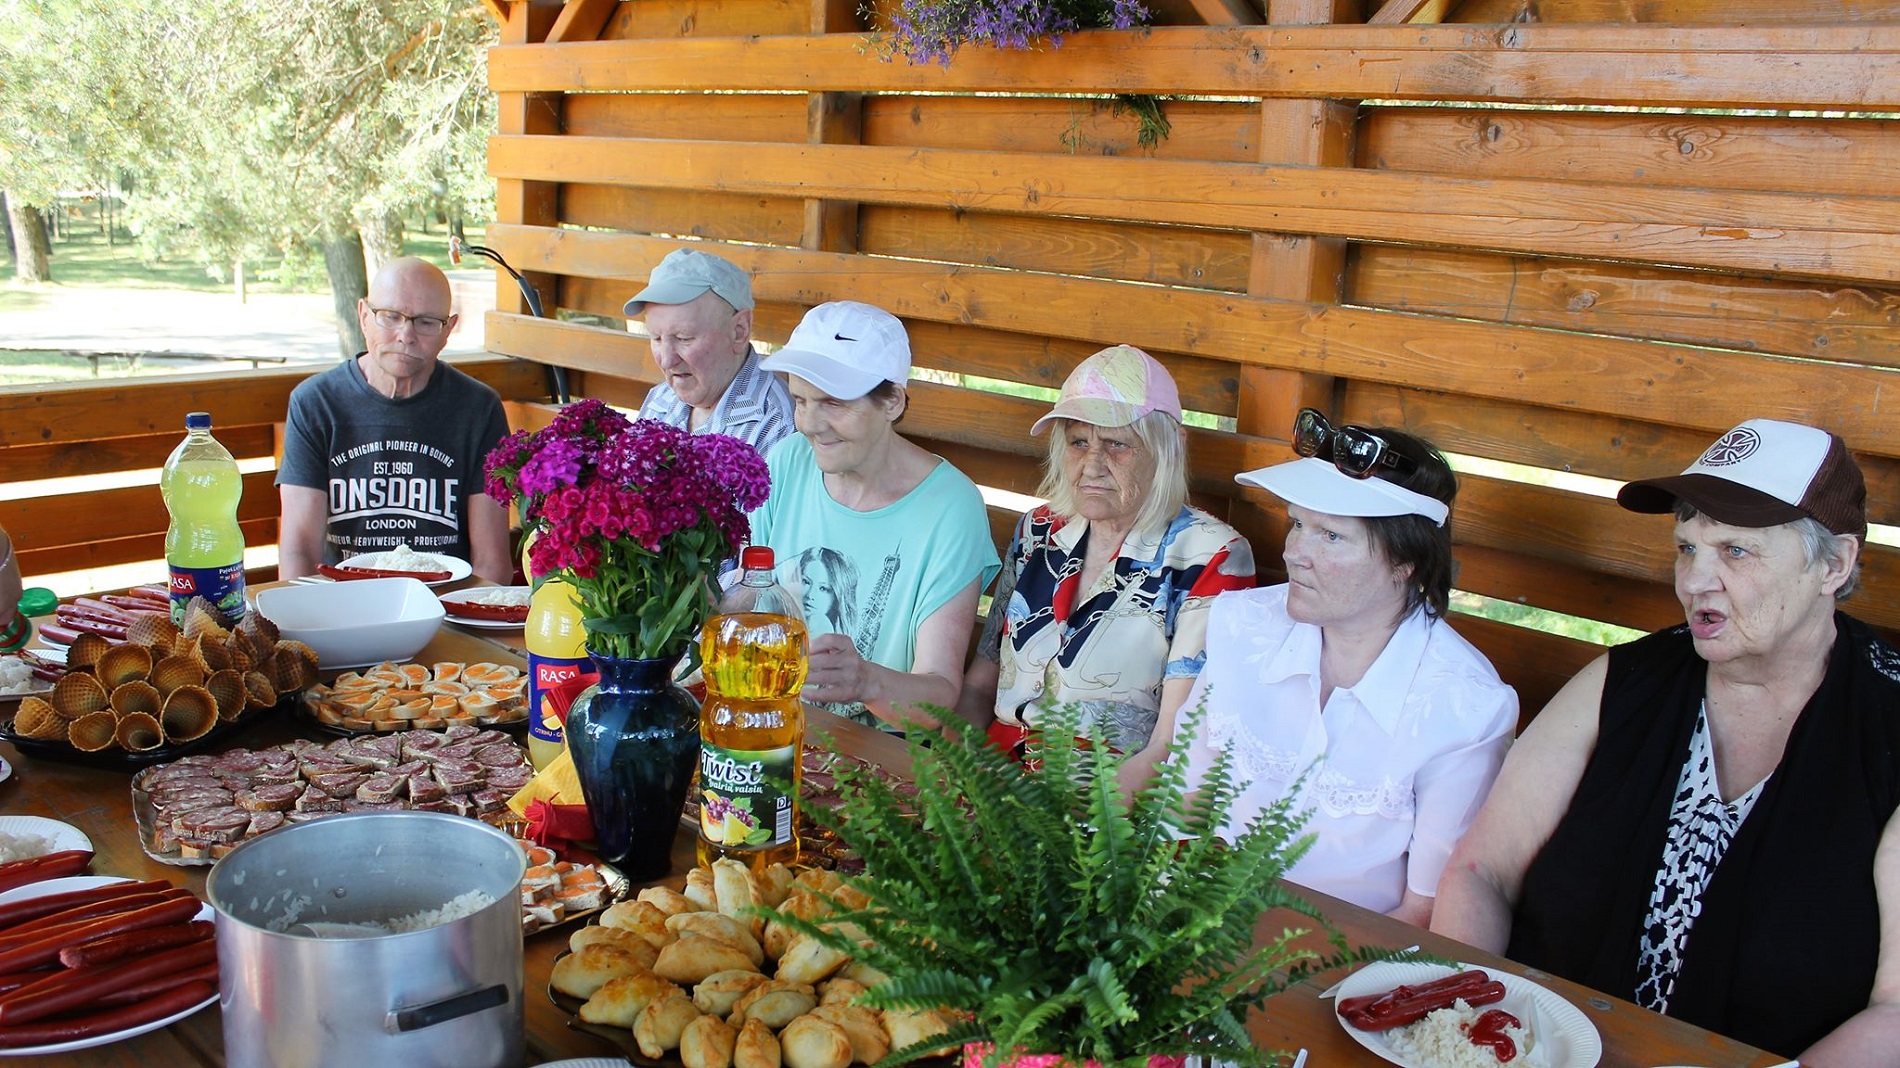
837 674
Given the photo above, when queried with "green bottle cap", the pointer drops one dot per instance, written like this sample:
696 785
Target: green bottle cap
38 601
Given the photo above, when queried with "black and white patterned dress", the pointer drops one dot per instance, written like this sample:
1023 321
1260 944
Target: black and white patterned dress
1701 826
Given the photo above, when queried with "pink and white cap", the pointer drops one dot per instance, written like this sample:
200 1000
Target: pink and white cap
1115 387
1761 474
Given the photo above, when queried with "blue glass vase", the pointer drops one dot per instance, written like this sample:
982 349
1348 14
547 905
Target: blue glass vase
634 737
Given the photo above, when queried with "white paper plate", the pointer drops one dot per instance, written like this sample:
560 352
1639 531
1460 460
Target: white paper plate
480 624
63 835
1563 1037
87 882
457 567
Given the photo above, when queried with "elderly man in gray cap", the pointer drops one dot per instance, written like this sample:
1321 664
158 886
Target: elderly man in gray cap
698 310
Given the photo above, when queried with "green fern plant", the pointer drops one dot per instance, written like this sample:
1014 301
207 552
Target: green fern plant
1052 916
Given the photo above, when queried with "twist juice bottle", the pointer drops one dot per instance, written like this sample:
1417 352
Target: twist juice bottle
752 726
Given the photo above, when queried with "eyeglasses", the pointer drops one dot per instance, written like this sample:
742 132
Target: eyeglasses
426 325
1356 451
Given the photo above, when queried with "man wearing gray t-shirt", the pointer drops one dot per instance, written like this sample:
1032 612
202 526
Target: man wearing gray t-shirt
386 449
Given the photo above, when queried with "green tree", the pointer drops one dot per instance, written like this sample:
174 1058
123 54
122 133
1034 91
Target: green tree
257 129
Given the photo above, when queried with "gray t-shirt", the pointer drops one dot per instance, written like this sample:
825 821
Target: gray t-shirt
395 471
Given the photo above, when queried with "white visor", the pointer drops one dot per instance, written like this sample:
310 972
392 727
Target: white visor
1318 485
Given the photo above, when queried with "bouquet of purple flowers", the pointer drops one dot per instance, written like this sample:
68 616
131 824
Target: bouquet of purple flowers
636 516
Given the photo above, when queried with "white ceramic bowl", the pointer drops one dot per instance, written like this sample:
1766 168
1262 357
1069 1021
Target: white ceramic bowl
355 623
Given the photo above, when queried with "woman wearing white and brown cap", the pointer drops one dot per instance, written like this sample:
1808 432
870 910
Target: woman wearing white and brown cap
1345 690
1104 593
887 543
1703 820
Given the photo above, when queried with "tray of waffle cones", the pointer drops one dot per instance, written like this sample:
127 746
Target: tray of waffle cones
165 691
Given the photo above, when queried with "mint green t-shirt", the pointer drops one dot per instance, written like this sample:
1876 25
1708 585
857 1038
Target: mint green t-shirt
877 575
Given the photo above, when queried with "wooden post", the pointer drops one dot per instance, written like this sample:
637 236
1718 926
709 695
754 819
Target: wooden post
527 203
1293 266
833 119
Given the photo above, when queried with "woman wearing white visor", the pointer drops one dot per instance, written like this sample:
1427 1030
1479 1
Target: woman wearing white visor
1349 674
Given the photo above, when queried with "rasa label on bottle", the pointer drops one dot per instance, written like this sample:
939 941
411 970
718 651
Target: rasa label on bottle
223 587
544 674
746 795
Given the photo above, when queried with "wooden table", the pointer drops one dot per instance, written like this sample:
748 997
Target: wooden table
99 803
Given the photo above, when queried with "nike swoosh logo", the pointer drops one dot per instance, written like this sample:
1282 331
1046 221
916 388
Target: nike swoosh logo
841 337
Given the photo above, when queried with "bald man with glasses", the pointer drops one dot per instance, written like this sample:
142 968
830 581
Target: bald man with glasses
386 448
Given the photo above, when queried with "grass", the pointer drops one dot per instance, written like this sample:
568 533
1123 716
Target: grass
82 258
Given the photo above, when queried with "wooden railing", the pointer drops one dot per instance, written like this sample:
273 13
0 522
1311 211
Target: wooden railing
131 425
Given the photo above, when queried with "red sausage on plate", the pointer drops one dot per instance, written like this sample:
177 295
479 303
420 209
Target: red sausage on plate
51 866
77 987
110 1021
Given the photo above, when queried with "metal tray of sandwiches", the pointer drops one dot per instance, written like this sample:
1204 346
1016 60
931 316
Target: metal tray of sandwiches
196 809
399 697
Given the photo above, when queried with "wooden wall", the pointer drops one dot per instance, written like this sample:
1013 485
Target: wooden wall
1584 236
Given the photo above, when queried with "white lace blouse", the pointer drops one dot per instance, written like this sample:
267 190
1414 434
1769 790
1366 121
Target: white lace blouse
1400 762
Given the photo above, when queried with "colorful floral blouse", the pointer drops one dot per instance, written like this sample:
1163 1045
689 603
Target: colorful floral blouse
1111 647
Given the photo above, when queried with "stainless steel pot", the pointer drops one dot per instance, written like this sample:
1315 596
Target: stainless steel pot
448 995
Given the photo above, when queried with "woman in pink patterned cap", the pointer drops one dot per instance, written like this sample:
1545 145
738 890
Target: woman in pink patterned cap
1104 592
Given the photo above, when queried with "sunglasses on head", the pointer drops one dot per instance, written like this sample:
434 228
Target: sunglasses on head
1354 450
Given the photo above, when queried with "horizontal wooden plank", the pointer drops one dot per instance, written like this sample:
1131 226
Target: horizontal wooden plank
719 116
1572 442
1838 323
696 18
1558 587
1535 664
1826 67
114 552
1197 129
1205 259
1613 376
1729 151
1837 237
68 458
1680 12
688 213
103 515
91 411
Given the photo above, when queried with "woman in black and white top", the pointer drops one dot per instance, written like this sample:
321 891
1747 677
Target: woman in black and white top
1703 820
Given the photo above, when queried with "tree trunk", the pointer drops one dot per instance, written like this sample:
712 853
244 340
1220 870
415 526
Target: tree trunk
8 230
382 241
32 252
237 282
343 260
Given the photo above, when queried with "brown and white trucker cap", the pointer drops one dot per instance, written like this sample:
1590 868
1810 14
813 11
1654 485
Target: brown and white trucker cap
1762 474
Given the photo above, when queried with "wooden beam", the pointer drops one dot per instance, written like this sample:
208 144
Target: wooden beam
498 10
1228 12
1795 234
1401 12
581 20
1625 377
1851 67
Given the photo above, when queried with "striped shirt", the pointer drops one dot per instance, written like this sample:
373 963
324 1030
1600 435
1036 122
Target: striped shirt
756 407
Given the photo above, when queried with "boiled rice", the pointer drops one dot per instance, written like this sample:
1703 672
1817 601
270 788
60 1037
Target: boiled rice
23 846
16 677
1439 1040
461 905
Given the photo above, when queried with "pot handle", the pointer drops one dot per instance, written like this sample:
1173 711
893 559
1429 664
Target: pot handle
417 1017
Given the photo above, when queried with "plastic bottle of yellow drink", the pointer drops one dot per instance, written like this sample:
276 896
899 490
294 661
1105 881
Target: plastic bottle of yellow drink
204 547
752 726
557 653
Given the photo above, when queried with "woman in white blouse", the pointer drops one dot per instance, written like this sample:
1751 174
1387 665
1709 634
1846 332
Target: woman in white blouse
1349 675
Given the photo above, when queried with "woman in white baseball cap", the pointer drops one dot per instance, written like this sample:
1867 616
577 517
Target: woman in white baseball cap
1707 811
887 543
1345 687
